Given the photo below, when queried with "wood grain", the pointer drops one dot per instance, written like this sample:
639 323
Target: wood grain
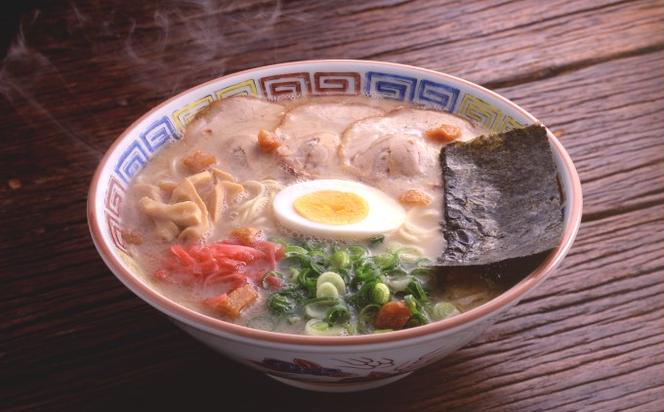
610 111
600 313
73 338
144 56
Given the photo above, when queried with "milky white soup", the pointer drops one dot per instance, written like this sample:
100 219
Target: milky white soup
310 216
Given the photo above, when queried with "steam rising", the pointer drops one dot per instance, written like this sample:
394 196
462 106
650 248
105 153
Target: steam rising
152 49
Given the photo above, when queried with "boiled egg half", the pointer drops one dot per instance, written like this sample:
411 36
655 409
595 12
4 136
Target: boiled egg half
337 209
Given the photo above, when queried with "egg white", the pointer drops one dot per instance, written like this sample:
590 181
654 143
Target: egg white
385 213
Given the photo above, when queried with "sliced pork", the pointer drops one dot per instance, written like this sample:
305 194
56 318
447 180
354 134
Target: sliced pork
399 146
310 135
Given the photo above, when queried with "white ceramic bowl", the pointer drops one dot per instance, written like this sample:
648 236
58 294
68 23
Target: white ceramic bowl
319 363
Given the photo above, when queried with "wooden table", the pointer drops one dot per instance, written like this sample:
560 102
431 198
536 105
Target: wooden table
589 339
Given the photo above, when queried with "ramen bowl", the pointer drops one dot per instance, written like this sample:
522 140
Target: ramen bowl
323 363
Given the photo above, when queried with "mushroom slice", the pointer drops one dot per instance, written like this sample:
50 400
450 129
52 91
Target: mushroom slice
215 201
146 189
165 229
232 190
222 175
186 191
185 213
201 179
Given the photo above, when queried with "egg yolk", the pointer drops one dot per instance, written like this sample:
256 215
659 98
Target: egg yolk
332 207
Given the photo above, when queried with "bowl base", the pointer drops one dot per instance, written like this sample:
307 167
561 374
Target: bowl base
339 387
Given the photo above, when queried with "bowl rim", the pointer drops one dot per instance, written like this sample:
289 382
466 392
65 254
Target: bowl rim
205 322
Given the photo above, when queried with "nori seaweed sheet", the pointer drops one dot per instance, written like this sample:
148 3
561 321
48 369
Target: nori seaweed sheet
502 198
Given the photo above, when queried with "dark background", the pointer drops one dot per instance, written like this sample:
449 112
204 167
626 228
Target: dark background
11 13
75 74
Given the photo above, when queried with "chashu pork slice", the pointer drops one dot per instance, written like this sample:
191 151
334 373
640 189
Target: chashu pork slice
310 134
382 149
229 129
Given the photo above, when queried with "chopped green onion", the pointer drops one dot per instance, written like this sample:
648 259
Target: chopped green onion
357 251
380 294
338 314
415 289
425 276
293 319
421 272
363 295
318 264
375 240
443 310
340 259
316 310
408 254
292 250
411 303
307 279
293 273
386 261
333 278
417 319
284 301
318 327
340 288
367 271
423 263
327 290
398 280
314 245
366 317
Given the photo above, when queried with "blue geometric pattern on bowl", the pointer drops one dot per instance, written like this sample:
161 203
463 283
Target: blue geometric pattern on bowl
158 133
131 161
404 88
453 98
390 86
438 95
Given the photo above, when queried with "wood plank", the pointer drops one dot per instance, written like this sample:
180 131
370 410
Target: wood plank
609 118
627 114
86 132
542 46
645 85
582 339
137 62
559 34
589 338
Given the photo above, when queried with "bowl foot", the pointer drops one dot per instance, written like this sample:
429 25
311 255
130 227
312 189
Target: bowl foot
339 387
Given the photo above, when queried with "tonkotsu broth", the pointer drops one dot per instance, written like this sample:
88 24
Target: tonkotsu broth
377 142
